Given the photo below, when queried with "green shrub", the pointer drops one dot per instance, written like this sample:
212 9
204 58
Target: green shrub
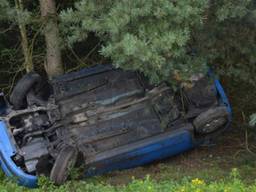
227 40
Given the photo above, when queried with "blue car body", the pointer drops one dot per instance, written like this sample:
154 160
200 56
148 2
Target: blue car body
132 155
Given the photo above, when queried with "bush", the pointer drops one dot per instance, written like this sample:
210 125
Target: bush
227 40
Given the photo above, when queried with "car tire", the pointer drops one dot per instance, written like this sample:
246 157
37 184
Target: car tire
65 161
20 91
211 120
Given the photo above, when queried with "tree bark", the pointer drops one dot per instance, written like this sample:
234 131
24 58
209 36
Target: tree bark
53 64
28 63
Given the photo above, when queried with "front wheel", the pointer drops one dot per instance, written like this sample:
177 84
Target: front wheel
64 163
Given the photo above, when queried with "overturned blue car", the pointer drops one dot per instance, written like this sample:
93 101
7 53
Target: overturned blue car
104 119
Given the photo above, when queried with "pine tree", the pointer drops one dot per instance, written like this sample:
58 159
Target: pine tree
151 36
169 40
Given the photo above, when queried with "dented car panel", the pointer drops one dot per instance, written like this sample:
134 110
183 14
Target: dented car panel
115 119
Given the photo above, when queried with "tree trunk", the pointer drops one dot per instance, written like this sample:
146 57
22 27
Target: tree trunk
53 65
28 63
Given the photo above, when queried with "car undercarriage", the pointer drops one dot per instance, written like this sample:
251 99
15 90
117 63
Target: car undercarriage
106 119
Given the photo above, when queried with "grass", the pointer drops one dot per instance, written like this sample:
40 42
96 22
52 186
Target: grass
231 183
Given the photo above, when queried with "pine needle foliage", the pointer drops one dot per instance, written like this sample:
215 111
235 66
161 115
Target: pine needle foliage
167 39
151 36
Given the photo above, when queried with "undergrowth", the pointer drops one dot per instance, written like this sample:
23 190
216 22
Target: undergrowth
233 183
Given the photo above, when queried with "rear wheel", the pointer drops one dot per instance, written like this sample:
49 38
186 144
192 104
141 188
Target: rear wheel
23 87
64 163
211 120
